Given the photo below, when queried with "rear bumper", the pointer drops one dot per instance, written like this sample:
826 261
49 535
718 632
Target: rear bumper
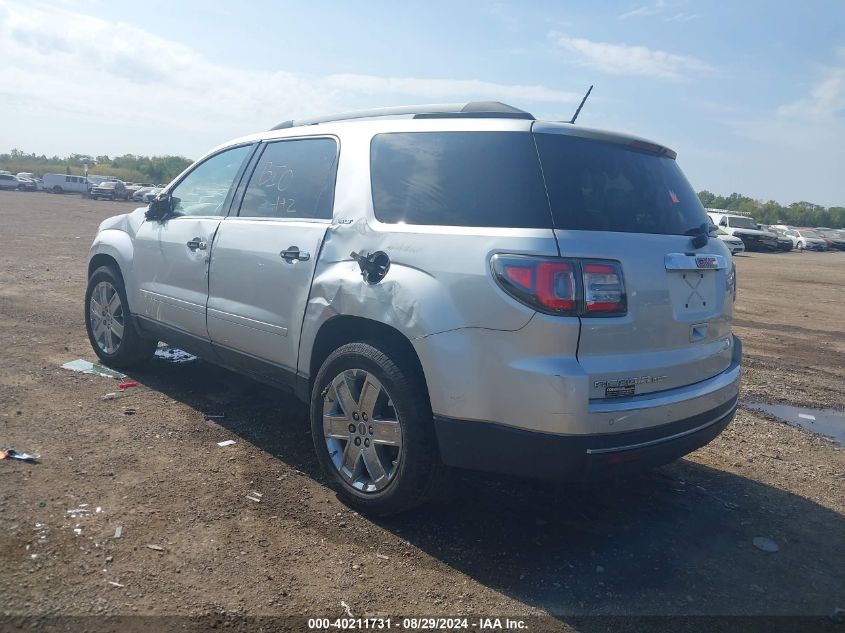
659 428
495 448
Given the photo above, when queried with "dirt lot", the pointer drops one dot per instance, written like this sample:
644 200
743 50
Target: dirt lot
675 541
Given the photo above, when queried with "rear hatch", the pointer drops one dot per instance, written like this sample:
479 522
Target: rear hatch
623 199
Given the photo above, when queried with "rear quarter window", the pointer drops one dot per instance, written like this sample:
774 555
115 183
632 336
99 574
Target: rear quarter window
603 186
481 179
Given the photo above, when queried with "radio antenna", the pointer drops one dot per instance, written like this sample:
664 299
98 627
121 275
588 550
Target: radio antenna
581 105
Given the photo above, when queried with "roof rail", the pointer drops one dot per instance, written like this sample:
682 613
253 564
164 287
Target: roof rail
473 109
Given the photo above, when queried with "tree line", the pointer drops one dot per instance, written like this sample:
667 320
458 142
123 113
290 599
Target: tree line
771 212
129 167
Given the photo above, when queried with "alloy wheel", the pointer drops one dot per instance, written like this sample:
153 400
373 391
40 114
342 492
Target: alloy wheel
108 318
362 430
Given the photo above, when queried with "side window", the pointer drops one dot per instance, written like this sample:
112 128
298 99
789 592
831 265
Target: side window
68 179
723 222
203 191
293 179
458 179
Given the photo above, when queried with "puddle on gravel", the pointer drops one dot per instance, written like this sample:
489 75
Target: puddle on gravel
828 422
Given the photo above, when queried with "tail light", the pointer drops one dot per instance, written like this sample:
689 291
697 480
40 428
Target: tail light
568 287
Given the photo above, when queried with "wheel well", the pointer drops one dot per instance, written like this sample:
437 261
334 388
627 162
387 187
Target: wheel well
341 330
103 260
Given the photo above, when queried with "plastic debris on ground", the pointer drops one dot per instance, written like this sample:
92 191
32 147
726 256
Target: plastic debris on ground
173 355
10 453
255 496
81 511
127 384
157 548
226 443
87 367
214 416
118 531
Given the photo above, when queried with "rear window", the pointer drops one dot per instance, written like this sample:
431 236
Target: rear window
600 186
484 179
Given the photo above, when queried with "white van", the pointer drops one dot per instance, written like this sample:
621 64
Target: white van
61 183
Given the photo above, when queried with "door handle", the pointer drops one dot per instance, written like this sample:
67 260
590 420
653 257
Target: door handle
293 254
197 243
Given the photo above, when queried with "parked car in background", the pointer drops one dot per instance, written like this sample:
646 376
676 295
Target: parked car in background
96 179
131 188
138 196
152 193
62 183
835 238
8 181
734 244
784 243
110 190
26 184
806 239
745 228
25 175
411 289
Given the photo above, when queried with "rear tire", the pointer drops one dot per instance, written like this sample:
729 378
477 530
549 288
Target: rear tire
109 323
372 427
57 189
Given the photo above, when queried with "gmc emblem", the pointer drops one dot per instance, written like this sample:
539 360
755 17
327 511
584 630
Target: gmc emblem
706 261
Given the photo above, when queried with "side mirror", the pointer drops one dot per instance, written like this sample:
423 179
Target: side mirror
159 208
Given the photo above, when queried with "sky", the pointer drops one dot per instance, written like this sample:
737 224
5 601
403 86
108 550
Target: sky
750 94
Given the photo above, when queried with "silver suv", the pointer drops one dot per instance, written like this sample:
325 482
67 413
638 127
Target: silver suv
445 285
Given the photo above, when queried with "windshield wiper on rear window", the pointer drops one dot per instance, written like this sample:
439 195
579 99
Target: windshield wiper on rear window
700 235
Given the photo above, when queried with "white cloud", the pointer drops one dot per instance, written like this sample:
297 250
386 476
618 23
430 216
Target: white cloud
681 17
827 97
116 78
644 11
622 59
658 8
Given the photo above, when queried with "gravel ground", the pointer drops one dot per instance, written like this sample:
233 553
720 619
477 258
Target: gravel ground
676 541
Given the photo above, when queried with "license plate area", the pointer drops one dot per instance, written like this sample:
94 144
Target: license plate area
693 284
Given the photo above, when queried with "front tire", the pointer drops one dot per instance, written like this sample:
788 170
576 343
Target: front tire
109 323
371 423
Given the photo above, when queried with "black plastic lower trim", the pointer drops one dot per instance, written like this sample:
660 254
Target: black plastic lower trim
492 447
